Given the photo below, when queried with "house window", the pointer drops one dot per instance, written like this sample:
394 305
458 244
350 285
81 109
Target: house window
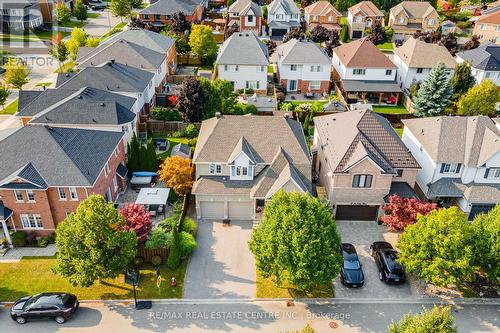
250 18
62 194
420 70
262 68
146 16
315 17
244 171
107 195
362 181
30 195
482 26
19 196
218 168
401 20
73 194
369 22
252 84
330 18
236 68
388 72
279 16
167 17
487 75
315 68
106 169
225 68
115 184
314 85
157 17
125 129
497 29
450 167
492 173
215 169
400 172
293 67
358 19
31 221
430 21
359 71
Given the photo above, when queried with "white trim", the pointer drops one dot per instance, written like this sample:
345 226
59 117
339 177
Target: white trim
269 194
361 160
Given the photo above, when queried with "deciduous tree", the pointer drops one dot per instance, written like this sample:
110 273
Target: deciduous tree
202 43
332 42
434 93
138 220
450 42
479 100
295 33
320 34
438 320
402 212
297 242
91 243
80 10
473 43
59 50
16 73
438 247
177 173
271 46
121 8
377 35
191 100
179 23
4 94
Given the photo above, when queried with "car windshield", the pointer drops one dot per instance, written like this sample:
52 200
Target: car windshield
31 301
348 264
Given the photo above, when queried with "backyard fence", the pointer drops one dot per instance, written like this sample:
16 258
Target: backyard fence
188 59
147 254
167 127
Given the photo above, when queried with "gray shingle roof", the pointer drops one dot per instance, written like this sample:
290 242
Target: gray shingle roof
486 57
145 38
61 156
114 77
170 7
241 7
302 52
288 5
26 96
243 48
83 106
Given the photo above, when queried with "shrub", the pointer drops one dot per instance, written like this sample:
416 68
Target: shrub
51 238
166 114
191 131
3 241
18 238
192 143
31 239
156 260
187 244
280 96
157 239
189 225
177 134
138 261
43 242
251 109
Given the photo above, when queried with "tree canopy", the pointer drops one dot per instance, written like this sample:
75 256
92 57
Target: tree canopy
434 93
479 100
63 14
138 220
4 94
121 8
179 23
297 241
191 101
16 73
80 10
462 80
202 43
402 212
438 320
176 172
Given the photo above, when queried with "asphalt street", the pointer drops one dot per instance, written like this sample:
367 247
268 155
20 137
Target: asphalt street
253 316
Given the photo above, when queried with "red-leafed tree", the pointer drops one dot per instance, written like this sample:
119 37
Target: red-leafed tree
137 220
402 212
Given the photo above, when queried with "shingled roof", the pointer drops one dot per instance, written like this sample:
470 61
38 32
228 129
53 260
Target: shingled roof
241 7
243 48
145 38
362 53
486 57
170 7
413 9
417 53
366 7
351 136
288 5
302 52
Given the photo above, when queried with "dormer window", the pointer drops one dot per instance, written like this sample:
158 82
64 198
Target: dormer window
447 168
250 18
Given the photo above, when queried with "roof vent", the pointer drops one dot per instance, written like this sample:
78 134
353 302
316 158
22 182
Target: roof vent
79 97
102 104
422 131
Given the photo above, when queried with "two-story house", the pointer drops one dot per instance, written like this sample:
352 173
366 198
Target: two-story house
361 16
460 159
243 60
20 15
364 74
245 15
361 161
484 61
86 108
415 59
487 28
282 15
242 161
46 172
322 13
408 17
160 13
303 67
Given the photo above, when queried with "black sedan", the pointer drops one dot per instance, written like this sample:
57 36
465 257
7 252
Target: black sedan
57 306
351 273
389 270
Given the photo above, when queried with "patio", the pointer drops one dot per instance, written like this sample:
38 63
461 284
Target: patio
370 92
301 97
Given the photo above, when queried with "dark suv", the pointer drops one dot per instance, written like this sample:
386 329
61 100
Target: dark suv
389 270
351 273
57 306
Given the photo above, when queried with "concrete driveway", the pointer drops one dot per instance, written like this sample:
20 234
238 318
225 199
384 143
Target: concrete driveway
361 234
222 266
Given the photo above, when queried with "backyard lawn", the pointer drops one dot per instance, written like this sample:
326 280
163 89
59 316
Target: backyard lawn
386 46
399 131
172 143
33 275
11 108
267 289
390 109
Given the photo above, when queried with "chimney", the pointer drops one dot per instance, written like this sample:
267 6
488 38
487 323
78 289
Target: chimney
218 115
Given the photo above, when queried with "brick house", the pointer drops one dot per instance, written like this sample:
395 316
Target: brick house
322 13
160 13
361 16
46 172
245 15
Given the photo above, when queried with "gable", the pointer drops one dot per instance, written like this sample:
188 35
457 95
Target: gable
365 165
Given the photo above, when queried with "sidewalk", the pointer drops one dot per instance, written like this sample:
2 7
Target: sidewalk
15 254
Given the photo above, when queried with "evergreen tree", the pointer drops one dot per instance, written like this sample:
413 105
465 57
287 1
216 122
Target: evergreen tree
434 94
174 255
344 34
133 154
462 80
80 10
4 94
151 152
143 164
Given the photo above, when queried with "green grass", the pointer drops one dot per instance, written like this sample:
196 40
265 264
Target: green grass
11 108
67 67
42 35
33 275
172 143
270 69
43 84
93 15
267 289
390 109
399 131
343 20
386 46
71 24
116 29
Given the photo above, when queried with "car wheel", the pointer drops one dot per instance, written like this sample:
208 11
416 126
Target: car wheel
60 319
380 276
21 320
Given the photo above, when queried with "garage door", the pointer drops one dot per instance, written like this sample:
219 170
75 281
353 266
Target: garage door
212 209
363 213
240 210
278 32
357 34
478 209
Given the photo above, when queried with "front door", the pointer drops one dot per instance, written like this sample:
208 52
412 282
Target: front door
292 85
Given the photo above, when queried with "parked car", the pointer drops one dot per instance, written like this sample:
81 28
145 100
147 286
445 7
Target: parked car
389 270
351 273
57 306
98 7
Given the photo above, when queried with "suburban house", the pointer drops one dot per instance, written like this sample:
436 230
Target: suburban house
20 15
46 172
160 13
487 28
322 13
242 161
361 161
85 108
245 69
361 16
484 60
116 78
130 54
460 159
282 15
408 17
151 40
415 59
364 74
303 67
246 15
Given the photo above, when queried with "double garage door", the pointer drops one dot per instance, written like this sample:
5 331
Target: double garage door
236 210
351 213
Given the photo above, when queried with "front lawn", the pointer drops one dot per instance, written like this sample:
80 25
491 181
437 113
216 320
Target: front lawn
67 67
43 84
116 29
11 108
390 109
71 24
267 289
93 15
34 275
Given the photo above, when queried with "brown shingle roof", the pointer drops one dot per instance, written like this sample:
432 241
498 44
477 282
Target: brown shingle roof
367 7
362 53
414 9
321 8
493 18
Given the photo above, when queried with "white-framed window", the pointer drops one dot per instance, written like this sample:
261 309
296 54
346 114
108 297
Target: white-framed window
420 70
279 16
492 173
62 194
450 168
369 22
31 221
106 169
359 71
401 20
250 18
330 18
358 19
388 72
30 195
19 196
215 169
225 68
293 67
252 84
497 29
72 193
362 181
262 68
115 184
125 129
431 21
315 17
236 68
482 26
315 68
487 75
314 85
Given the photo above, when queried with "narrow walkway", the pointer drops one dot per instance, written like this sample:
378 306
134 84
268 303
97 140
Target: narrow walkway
15 254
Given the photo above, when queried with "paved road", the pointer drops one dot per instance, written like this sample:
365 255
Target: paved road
222 266
249 317
102 24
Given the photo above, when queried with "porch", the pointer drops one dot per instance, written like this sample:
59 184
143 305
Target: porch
370 92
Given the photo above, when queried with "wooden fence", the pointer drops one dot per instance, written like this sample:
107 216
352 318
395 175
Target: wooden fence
147 254
167 127
188 59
